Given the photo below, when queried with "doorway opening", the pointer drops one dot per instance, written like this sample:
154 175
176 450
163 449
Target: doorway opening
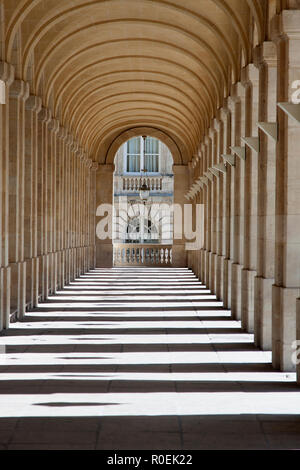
143 203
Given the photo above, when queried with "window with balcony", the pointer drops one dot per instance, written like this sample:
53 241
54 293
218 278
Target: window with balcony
142 155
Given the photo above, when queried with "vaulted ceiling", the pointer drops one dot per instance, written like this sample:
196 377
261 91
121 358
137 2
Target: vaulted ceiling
107 66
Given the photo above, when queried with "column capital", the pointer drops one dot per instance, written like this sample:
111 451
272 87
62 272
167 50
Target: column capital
266 54
19 89
232 101
62 133
54 125
81 153
94 165
251 74
75 146
207 140
290 23
224 113
45 115
192 165
216 124
34 103
7 73
237 93
179 169
106 167
69 140
212 131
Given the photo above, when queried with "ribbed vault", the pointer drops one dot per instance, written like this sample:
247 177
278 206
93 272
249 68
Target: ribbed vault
106 66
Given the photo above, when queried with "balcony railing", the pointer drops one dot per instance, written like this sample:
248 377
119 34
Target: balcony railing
135 183
142 255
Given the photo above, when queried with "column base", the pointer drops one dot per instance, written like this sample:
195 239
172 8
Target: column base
226 282
18 289
202 265
236 288
179 256
207 268
247 300
284 327
297 355
44 276
219 276
5 289
212 273
104 255
263 312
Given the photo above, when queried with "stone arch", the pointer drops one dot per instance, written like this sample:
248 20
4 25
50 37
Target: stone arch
149 131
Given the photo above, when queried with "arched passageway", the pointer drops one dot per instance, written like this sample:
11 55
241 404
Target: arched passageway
217 81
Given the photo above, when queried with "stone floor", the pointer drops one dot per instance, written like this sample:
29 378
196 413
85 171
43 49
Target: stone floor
140 359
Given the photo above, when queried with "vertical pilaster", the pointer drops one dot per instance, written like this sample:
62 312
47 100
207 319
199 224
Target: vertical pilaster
267 62
287 246
251 84
7 76
225 194
104 195
236 106
44 118
18 93
32 108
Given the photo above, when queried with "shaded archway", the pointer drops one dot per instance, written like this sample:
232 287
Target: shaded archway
172 145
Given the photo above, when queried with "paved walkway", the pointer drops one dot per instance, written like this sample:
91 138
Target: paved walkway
140 359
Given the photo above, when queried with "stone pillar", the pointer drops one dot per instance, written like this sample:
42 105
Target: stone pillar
208 211
214 209
267 62
18 93
44 118
287 247
92 219
7 76
298 336
203 196
68 209
251 84
236 104
62 192
104 195
52 198
219 265
225 195
181 179
32 108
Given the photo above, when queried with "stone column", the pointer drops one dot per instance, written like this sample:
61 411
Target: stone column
287 247
208 211
44 118
104 195
92 194
214 209
203 195
18 93
68 209
7 76
190 256
52 197
62 191
236 203
251 84
32 108
266 58
226 208
181 179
